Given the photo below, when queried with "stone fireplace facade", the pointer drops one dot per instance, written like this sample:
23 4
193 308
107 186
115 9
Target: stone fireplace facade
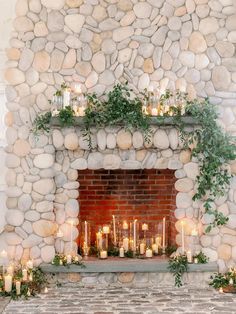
183 44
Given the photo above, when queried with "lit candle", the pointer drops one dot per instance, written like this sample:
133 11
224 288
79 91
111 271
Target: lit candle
122 252
158 241
155 248
8 283
45 290
114 229
103 254
142 248
99 240
59 234
189 257
10 270
164 234
144 227
71 236
81 111
195 260
231 281
194 233
30 277
68 259
148 253
24 274
66 97
182 236
221 290
126 244
61 262
76 258
106 229
86 234
77 88
125 225
154 112
30 264
3 254
18 286
135 235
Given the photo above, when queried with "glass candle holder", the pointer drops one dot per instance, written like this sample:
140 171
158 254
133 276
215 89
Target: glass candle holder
106 229
115 231
66 97
99 240
85 237
134 235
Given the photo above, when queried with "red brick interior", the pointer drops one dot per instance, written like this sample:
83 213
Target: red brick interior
146 195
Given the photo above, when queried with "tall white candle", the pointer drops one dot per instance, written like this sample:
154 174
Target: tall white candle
86 234
18 286
8 283
126 244
71 236
99 240
10 270
69 259
189 257
66 98
24 274
135 234
164 233
142 248
155 248
114 229
182 237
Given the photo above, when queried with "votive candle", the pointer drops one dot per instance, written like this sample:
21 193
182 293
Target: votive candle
103 254
18 287
148 253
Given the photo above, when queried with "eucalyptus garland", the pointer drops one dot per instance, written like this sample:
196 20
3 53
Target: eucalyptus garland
178 265
212 147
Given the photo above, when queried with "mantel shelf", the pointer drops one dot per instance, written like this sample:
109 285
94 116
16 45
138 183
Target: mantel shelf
160 121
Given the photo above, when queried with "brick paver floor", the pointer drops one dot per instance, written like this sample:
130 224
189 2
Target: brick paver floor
125 300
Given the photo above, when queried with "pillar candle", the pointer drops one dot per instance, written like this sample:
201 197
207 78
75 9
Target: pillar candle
154 112
155 248
99 240
106 229
30 277
182 237
66 98
8 283
18 286
122 252
189 257
195 260
114 229
144 227
149 253
103 254
10 270
68 259
142 248
164 233
126 244
25 274
125 225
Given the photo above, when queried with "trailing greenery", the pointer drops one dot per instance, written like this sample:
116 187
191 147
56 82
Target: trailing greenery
226 281
201 258
209 144
61 260
29 287
178 265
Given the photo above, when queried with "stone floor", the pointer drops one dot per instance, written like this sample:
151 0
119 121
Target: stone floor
125 300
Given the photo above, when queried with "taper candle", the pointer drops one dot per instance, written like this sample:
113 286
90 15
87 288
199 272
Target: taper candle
182 237
114 229
164 234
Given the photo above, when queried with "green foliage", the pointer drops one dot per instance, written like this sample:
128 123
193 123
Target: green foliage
113 251
201 258
213 148
42 123
66 117
224 280
170 249
61 260
178 265
35 286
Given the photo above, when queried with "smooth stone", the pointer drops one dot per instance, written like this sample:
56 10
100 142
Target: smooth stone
211 254
111 162
44 161
161 139
101 139
71 141
44 186
197 42
208 25
124 139
99 62
122 33
44 206
44 228
55 21
13 191
224 251
138 139
184 185
35 252
52 4
174 139
31 241
221 78
14 76
142 10
14 217
57 138
72 208
95 161
80 164
41 61
111 141
23 24
40 29
57 58
26 59
183 200
74 3
192 170
32 215
47 253
24 202
12 238
75 22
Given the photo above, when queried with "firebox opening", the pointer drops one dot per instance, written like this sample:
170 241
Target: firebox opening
145 195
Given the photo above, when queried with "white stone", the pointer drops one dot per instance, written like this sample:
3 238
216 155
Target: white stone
101 139
221 78
197 42
80 164
192 170
13 191
111 162
99 62
184 185
225 49
107 78
183 200
124 55
174 139
211 254
174 23
44 228
232 221
75 22
124 139
138 139
35 252
70 59
26 59
57 138
71 141
187 58
72 208
224 251
205 240
208 25
122 33
44 161
14 217
144 81
32 215
47 253
108 25
14 76
161 139
31 241
52 4
44 186
24 202
111 141
23 24
108 46
12 238
142 10
40 29
95 161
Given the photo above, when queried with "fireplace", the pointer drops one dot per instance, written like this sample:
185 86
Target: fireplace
145 195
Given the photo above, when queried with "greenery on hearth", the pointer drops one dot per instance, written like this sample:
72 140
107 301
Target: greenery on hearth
225 281
29 287
178 265
210 145
201 258
61 260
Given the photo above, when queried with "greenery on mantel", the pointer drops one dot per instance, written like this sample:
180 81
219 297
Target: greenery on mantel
212 147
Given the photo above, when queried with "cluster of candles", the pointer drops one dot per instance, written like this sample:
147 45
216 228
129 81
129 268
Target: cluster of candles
188 253
8 271
125 237
70 96
159 105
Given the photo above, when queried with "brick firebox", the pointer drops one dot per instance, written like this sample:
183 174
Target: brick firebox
146 195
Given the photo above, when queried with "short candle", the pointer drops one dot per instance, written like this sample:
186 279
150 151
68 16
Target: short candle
144 227
125 225
122 252
69 259
25 274
106 229
18 286
8 283
149 253
142 248
103 254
